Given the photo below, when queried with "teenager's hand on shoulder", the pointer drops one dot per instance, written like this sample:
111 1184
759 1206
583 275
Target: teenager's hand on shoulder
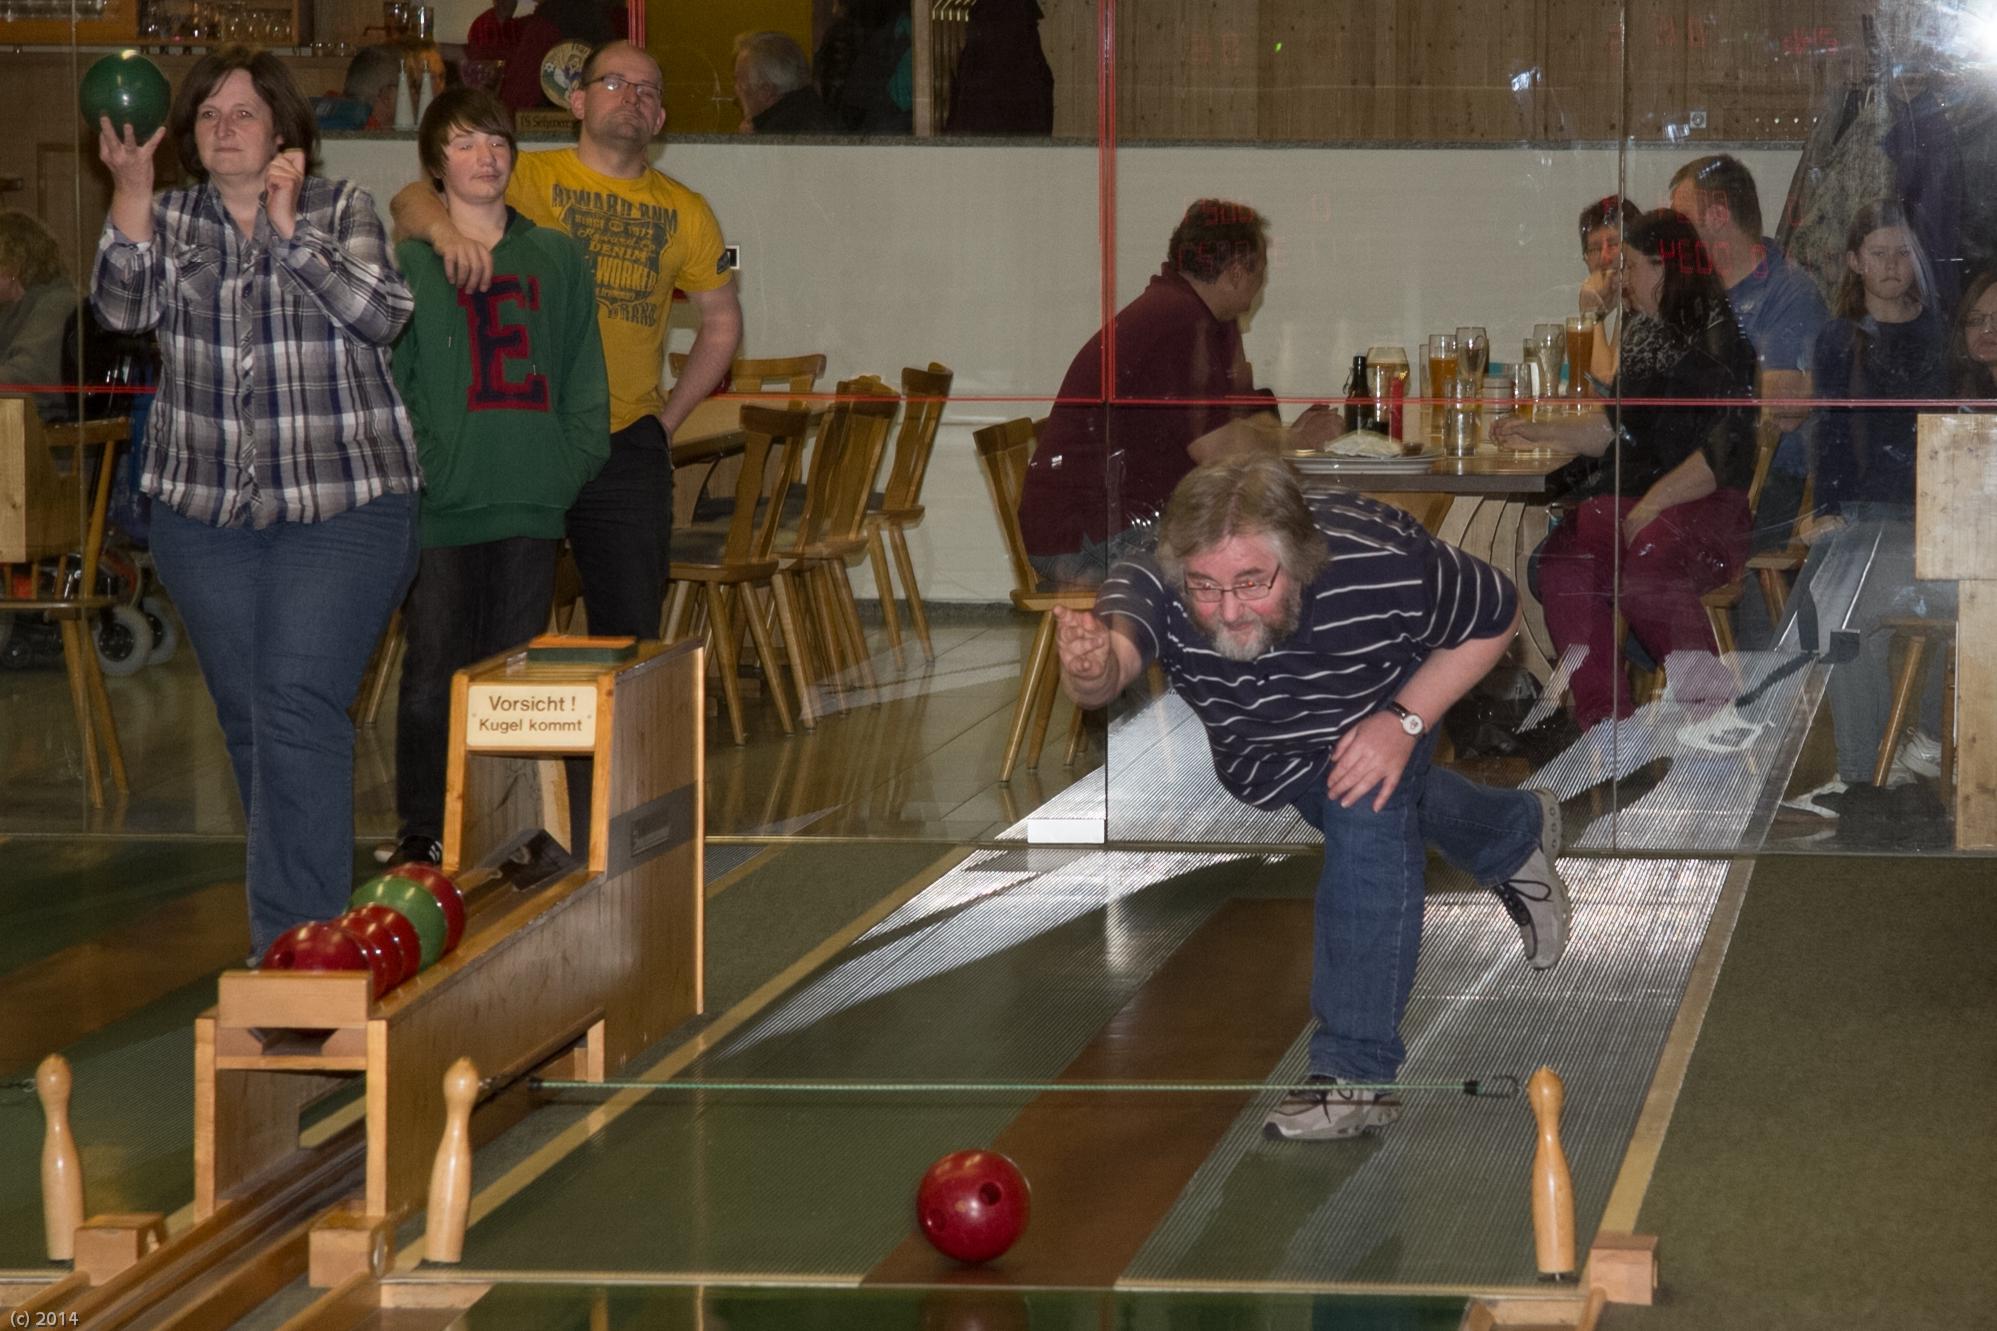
467 263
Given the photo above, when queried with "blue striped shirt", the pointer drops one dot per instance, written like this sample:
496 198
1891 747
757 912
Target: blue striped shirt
1391 594
276 401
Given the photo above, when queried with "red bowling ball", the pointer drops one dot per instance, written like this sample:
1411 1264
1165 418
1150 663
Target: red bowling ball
391 967
318 946
439 885
408 942
972 1205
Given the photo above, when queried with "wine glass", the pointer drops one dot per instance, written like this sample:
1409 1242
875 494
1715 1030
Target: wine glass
1473 353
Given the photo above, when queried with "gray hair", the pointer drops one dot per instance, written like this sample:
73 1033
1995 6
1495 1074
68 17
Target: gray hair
1252 495
775 59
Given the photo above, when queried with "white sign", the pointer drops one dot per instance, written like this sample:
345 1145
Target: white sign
531 717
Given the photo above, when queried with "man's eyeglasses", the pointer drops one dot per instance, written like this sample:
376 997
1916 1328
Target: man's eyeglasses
1210 593
1981 323
616 83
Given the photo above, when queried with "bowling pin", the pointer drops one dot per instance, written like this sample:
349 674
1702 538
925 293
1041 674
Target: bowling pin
405 103
451 1175
62 1168
1552 1184
426 93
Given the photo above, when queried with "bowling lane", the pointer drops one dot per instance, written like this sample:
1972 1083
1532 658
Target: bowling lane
1032 966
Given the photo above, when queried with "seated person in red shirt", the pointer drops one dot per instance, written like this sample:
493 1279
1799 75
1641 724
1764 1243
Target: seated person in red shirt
1101 475
494 33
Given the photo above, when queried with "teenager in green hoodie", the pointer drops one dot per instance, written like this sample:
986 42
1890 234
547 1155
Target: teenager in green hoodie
506 390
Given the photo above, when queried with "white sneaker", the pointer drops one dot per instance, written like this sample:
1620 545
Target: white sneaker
1921 755
1813 801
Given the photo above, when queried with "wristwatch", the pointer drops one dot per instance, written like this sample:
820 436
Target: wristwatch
1409 721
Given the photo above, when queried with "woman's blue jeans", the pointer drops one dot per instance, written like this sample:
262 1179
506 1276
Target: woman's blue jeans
283 620
1370 897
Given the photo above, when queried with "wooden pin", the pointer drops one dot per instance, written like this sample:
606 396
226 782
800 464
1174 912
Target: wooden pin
451 1175
1552 1184
62 1167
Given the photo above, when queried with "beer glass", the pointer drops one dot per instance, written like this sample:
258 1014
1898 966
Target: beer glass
1473 353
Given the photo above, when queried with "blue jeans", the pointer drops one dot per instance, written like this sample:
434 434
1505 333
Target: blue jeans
283 621
1370 896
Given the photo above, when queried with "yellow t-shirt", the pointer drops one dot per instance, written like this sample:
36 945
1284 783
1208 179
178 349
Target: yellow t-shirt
643 238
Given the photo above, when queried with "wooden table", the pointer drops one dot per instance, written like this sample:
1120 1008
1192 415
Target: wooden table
1495 510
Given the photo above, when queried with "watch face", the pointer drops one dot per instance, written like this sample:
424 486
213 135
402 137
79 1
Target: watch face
1411 723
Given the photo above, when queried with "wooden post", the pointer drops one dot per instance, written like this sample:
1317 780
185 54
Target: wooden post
1552 1184
1955 537
62 1167
451 1175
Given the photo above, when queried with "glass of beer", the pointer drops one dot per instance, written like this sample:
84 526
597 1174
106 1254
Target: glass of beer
1441 370
1580 352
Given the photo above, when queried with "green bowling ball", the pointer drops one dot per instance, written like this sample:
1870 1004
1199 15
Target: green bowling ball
130 90
413 902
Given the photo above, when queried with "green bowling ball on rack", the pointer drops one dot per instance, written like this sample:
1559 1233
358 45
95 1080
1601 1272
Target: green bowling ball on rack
128 89
412 901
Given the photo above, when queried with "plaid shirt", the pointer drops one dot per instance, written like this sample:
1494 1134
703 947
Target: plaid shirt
276 402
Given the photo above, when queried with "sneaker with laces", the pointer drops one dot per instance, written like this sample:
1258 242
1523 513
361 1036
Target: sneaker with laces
1322 1109
1921 755
1535 896
416 850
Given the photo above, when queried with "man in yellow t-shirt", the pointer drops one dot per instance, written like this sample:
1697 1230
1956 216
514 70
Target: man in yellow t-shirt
645 234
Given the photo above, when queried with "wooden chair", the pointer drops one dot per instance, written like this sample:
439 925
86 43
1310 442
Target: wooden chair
43 515
1003 452
768 375
1914 636
899 506
831 531
728 564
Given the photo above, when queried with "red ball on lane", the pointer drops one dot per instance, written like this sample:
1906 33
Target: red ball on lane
973 1205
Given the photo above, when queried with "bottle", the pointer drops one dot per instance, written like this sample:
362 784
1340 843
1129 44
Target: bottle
405 102
1358 398
427 93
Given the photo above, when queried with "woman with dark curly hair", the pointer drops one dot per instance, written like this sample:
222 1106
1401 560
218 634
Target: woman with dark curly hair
279 457
1666 500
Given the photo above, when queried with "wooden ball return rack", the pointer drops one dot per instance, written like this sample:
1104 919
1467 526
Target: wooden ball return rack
565 970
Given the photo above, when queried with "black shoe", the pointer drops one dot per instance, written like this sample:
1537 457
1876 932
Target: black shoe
416 850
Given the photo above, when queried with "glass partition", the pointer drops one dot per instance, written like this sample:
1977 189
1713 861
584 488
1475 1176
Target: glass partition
900 190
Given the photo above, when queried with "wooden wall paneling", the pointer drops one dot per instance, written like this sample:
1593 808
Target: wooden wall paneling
1068 36
1458 62
1188 69
1323 83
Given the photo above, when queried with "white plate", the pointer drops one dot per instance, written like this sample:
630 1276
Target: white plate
1322 463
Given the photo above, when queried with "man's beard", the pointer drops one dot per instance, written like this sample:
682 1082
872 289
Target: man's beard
1263 633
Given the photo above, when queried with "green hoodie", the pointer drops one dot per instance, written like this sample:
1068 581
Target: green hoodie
505 387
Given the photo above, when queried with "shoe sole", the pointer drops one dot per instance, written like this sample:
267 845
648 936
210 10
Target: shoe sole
1551 840
1375 1119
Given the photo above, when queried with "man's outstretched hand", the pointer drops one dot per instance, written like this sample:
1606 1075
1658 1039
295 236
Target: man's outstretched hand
1083 641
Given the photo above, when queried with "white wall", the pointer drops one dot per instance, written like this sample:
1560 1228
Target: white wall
988 259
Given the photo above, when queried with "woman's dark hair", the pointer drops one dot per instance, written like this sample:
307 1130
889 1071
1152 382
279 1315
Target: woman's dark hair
1970 377
1849 302
469 108
290 113
1692 295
